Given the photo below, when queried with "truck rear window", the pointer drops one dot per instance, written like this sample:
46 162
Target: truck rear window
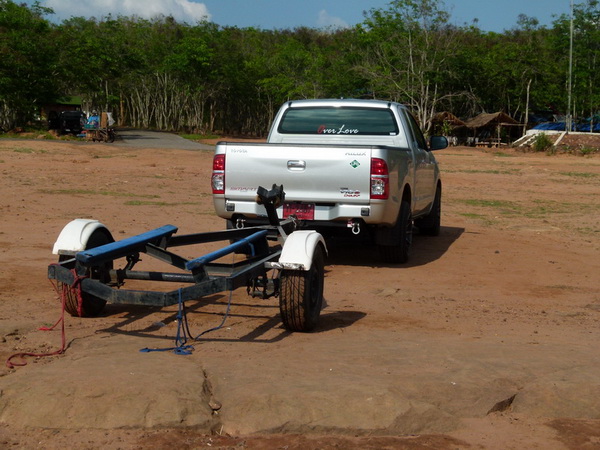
338 121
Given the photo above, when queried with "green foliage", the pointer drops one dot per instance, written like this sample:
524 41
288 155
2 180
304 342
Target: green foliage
586 47
204 79
407 52
446 128
542 143
27 62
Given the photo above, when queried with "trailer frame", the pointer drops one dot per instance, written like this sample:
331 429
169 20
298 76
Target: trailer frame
92 280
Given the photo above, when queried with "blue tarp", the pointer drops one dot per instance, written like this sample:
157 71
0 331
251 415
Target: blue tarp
586 127
560 126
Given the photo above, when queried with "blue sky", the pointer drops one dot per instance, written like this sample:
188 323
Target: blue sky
492 15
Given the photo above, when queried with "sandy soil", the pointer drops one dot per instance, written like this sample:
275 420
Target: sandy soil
488 338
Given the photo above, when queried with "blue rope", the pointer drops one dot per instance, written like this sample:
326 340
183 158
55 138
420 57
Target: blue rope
197 338
182 334
183 331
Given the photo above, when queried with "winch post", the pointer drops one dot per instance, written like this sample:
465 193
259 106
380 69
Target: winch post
271 200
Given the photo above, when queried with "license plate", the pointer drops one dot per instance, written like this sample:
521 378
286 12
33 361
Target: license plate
302 211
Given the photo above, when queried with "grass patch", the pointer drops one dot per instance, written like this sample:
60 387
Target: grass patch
478 217
503 155
472 215
579 174
501 206
491 203
28 133
564 287
587 230
198 137
120 155
487 171
90 192
151 203
546 207
24 150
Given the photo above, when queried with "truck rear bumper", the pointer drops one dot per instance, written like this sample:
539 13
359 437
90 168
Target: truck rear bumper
371 214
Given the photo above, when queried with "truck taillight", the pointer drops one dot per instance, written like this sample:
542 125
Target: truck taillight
218 174
380 179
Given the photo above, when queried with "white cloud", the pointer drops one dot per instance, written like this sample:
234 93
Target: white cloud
181 10
325 20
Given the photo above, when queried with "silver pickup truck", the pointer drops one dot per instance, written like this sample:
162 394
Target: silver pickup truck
359 165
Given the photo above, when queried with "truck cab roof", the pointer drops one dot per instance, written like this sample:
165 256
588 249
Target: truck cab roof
340 102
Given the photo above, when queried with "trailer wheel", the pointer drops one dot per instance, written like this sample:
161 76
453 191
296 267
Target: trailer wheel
301 295
91 305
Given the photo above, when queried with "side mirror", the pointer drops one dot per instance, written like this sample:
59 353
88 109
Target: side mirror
438 142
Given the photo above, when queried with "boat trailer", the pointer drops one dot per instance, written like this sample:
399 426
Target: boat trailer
274 260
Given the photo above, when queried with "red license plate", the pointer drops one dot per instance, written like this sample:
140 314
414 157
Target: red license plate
302 211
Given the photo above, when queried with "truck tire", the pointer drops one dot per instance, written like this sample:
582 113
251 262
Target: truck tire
430 224
301 295
91 305
398 253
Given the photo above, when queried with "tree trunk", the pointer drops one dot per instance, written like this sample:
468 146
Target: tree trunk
527 108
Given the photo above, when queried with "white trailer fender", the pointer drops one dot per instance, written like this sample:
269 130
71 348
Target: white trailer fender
299 248
74 236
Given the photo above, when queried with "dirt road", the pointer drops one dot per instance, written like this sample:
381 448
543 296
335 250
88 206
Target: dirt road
488 338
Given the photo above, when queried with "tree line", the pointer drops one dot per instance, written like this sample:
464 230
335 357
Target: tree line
206 78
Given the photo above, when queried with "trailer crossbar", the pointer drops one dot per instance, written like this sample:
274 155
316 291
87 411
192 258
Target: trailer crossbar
124 247
209 257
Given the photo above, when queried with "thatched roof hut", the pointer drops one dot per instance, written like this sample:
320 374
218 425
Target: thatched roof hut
449 118
494 128
491 119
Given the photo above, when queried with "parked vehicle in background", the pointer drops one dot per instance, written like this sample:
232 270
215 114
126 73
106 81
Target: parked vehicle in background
358 165
71 122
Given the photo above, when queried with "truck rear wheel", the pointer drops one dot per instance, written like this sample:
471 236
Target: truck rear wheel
430 224
301 295
398 253
91 305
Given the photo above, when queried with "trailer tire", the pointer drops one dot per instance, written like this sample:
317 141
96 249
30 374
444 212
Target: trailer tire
91 306
301 294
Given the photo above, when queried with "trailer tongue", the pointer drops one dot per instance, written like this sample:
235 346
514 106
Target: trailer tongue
278 262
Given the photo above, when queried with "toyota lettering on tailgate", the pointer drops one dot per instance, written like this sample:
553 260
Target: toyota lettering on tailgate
346 192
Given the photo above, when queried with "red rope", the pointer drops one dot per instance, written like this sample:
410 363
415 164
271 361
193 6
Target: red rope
76 286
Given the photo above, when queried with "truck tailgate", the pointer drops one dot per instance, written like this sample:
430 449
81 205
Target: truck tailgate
319 174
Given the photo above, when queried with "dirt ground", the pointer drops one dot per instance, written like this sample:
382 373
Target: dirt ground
487 338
